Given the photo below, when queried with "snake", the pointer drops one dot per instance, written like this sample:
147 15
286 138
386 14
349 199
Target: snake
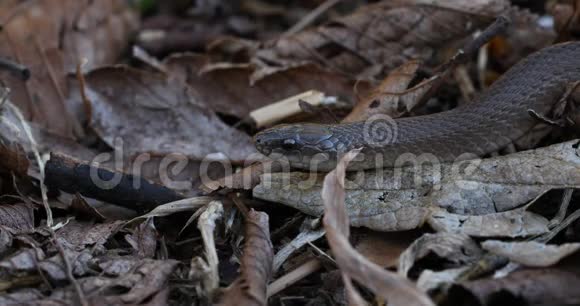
493 120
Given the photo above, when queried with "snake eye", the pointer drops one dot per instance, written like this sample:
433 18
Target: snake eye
288 144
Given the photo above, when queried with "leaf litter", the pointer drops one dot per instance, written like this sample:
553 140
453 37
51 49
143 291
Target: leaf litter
178 127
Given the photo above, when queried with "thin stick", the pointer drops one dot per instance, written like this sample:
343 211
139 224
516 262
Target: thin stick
311 17
39 161
463 55
68 270
561 215
294 276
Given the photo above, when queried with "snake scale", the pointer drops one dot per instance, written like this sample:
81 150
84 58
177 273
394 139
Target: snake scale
492 121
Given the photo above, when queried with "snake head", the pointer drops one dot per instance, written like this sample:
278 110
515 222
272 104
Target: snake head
296 142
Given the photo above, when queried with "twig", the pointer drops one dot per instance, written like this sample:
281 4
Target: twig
133 192
68 270
83 91
34 147
562 209
15 68
294 276
206 225
239 204
307 234
558 228
463 55
311 17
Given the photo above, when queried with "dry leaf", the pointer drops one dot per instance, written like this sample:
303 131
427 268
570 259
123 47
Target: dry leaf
25 259
148 113
22 296
530 287
433 280
144 239
143 279
17 218
84 210
50 38
228 88
383 35
531 253
207 224
391 97
383 249
13 158
309 231
513 223
393 288
82 234
256 270
403 198
167 209
448 248
80 262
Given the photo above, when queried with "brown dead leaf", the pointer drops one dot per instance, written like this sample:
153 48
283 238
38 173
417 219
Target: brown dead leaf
566 18
50 38
229 89
84 210
531 253
382 35
384 249
529 287
448 249
25 259
404 198
82 234
150 113
143 279
17 218
13 158
20 297
55 268
246 179
391 96
393 288
526 34
6 240
256 269
144 239
513 223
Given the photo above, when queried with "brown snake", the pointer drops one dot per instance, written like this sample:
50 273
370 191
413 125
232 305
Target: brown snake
495 119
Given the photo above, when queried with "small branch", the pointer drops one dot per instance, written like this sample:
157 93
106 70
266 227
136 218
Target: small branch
463 55
68 269
294 276
207 225
133 192
311 17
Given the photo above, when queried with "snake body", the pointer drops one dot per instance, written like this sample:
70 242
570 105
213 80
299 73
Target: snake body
495 119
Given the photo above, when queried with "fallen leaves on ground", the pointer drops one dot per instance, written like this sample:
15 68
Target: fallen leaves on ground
156 115
388 285
229 88
51 38
481 232
256 268
379 37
